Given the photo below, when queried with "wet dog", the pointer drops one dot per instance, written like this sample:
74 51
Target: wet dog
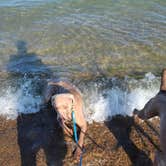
65 98
157 107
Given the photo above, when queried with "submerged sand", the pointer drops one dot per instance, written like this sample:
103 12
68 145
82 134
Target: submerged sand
36 139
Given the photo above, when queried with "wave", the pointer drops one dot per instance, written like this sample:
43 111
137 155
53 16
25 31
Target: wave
103 99
20 98
120 98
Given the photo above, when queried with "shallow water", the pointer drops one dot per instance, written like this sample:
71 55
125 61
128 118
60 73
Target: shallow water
81 41
86 37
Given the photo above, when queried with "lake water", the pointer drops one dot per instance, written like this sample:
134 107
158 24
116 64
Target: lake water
101 46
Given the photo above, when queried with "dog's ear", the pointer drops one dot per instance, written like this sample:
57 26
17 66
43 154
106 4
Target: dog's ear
135 111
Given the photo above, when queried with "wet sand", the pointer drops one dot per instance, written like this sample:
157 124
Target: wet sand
36 139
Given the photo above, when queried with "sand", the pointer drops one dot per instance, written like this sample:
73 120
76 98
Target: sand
37 139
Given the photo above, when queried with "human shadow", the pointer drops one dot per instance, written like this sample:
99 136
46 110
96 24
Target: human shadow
120 126
36 130
24 62
40 131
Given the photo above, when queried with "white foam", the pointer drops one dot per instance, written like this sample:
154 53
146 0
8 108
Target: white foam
117 101
20 101
99 104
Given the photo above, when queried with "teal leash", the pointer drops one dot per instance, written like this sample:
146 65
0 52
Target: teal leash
74 127
75 134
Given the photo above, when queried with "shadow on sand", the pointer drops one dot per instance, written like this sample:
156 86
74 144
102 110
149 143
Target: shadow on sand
120 126
38 130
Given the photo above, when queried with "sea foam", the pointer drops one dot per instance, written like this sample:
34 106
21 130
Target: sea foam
100 103
21 100
116 100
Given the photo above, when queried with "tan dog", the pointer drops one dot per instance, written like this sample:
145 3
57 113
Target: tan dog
65 98
157 107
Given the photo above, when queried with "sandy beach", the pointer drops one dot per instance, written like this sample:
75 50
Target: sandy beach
36 139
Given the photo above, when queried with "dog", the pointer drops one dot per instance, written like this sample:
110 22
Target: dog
157 107
65 98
